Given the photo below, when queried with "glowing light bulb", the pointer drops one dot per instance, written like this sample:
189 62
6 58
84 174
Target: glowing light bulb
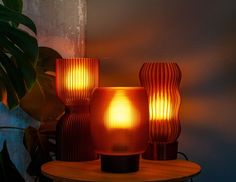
120 113
77 79
160 109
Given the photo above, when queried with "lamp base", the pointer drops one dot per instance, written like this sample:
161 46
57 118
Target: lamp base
73 135
157 151
120 164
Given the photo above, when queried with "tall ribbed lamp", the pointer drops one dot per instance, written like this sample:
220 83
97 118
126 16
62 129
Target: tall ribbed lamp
161 81
75 81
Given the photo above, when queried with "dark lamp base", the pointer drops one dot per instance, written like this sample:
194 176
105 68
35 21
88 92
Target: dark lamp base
156 151
120 164
74 136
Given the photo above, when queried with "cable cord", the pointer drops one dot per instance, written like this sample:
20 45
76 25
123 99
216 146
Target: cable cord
186 158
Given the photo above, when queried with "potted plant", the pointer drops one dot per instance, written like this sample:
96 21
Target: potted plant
22 64
18 58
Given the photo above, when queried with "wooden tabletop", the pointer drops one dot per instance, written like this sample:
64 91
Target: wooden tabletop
173 170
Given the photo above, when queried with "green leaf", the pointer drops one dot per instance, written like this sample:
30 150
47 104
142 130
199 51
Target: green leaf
37 141
47 106
12 98
39 148
16 5
47 59
14 74
18 53
8 171
7 15
25 42
23 62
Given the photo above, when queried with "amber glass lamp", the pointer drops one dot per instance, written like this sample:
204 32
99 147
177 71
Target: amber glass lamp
75 81
119 127
161 81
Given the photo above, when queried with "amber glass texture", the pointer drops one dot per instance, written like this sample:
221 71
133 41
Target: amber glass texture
119 120
74 142
76 78
162 81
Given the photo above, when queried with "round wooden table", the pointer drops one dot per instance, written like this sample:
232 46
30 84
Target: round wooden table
173 170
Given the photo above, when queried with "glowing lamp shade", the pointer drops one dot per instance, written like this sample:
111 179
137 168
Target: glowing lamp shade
162 80
119 117
75 81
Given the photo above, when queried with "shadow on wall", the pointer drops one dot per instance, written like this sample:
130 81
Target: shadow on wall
216 78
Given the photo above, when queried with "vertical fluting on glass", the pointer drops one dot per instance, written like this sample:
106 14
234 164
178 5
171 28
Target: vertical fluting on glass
76 79
161 81
74 141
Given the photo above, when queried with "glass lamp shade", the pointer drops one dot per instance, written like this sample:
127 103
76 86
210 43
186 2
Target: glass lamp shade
75 80
161 81
119 126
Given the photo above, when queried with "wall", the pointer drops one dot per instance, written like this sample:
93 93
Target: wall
200 36
60 24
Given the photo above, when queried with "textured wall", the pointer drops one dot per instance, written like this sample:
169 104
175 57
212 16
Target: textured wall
201 35
61 24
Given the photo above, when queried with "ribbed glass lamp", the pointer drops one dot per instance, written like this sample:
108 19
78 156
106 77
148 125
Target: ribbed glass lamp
75 81
161 81
119 127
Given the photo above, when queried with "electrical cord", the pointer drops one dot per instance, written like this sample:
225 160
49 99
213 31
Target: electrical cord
186 158
184 155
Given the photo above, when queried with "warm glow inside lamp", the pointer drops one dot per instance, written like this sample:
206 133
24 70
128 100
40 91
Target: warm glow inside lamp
119 126
162 80
75 81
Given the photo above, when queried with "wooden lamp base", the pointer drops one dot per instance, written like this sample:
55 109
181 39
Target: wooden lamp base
157 151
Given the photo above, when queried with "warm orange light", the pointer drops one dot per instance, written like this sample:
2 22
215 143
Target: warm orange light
161 81
119 120
76 79
120 112
160 108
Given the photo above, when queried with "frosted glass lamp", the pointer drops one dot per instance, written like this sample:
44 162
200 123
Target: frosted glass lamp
119 125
